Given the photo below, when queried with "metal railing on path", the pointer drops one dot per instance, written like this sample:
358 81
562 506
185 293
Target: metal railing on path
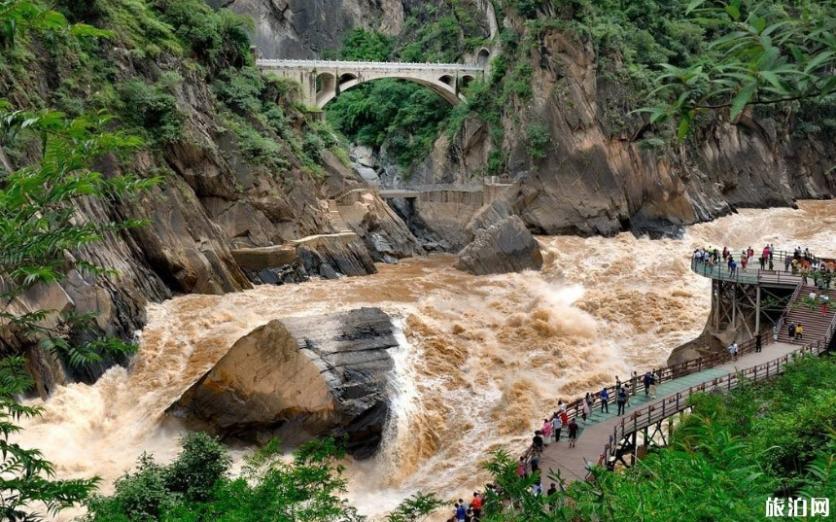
668 373
784 275
672 405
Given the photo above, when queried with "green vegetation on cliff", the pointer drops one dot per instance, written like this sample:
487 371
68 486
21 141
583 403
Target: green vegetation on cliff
401 117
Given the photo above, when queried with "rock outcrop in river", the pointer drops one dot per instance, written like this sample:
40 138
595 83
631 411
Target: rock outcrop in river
505 246
301 377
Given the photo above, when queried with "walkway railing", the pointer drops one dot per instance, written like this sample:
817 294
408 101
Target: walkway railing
756 275
670 406
668 373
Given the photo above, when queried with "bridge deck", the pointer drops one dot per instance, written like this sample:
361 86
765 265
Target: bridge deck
593 435
386 66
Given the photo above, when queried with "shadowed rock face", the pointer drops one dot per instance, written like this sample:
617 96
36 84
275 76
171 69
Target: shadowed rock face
302 377
305 28
505 246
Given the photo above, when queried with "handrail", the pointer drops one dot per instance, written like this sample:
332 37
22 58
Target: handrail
670 406
757 275
795 295
574 408
329 64
667 373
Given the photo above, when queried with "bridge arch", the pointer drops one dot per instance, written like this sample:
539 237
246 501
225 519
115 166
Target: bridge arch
322 81
446 91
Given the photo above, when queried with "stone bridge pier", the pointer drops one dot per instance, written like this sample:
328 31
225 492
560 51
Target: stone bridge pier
322 80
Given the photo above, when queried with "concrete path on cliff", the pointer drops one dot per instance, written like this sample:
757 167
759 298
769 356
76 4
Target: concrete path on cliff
593 435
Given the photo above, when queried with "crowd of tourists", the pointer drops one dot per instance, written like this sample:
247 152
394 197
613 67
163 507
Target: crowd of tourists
801 262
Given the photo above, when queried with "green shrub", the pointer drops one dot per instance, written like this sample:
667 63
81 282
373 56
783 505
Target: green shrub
538 138
240 89
201 464
140 496
363 45
216 38
150 110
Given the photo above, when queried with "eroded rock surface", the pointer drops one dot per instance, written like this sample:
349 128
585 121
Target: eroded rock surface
302 377
505 246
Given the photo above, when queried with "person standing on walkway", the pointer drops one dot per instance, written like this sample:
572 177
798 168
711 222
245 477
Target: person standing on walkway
476 505
461 511
547 431
799 331
573 433
621 400
605 400
537 440
586 407
758 344
653 386
733 351
646 381
791 329
787 262
557 426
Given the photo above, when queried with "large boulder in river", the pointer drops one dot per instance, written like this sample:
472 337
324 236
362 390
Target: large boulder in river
504 246
302 377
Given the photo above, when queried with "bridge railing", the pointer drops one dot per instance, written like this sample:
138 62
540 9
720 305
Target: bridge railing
670 406
344 64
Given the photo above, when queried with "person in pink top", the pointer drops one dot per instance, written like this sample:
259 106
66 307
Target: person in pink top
547 431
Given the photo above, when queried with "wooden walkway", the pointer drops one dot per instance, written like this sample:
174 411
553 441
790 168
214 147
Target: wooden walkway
593 435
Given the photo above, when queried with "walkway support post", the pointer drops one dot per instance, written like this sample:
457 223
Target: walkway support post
758 312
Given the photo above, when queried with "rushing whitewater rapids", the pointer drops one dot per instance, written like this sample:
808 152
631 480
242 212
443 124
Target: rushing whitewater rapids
481 358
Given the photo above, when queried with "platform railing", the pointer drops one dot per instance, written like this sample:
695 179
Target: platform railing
669 406
753 274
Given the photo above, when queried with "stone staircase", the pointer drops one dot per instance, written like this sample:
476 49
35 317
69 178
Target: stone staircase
800 311
335 217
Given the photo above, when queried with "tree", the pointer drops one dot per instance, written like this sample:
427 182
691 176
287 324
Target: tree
41 234
415 508
763 53
26 476
41 231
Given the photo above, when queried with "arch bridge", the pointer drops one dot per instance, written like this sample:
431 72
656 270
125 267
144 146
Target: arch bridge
324 80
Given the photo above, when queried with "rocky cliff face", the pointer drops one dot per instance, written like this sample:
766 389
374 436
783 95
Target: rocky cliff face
216 197
302 377
305 28
593 178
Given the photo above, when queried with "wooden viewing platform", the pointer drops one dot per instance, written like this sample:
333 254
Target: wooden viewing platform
606 438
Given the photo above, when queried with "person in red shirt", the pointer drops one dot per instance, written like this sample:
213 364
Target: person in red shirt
476 505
